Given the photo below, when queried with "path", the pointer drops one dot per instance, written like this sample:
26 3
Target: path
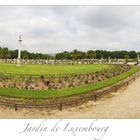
123 104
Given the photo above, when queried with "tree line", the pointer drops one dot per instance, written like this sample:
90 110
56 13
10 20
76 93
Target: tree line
5 53
97 54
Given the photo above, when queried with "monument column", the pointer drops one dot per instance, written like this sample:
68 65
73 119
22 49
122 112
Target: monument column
19 51
138 58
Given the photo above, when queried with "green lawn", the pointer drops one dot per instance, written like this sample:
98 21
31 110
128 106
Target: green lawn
48 70
42 94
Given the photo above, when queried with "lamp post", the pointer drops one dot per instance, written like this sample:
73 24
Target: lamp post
19 51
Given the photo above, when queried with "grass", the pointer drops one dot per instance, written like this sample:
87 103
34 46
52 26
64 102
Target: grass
42 94
50 70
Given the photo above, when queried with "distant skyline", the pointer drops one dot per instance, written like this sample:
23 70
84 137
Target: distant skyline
51 29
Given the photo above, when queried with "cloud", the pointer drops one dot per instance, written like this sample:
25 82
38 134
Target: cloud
51 29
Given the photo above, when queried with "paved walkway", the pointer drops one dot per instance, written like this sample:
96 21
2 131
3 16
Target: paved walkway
123 104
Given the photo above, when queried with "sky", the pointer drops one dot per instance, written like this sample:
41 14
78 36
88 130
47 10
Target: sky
53 29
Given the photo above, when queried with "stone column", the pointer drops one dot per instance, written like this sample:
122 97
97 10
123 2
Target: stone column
138 57
19 51
109 60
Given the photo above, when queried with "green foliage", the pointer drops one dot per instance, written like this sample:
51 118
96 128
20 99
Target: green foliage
64 55
73 55
126 57
11 54
91 54
115 54
4 53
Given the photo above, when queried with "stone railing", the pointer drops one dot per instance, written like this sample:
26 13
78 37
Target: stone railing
82 61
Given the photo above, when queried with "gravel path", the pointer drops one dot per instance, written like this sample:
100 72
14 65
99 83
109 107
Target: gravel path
123 104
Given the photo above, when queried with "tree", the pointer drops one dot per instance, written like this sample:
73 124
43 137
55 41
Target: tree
25 54
91 54
126 57
132 54
64 55
4 53
75 54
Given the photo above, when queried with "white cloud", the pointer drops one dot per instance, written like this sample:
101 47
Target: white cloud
55 28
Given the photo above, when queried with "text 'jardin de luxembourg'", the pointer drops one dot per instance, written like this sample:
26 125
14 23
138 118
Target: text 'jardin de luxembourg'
92 127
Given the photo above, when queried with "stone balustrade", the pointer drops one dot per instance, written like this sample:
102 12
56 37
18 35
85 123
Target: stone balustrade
82 61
